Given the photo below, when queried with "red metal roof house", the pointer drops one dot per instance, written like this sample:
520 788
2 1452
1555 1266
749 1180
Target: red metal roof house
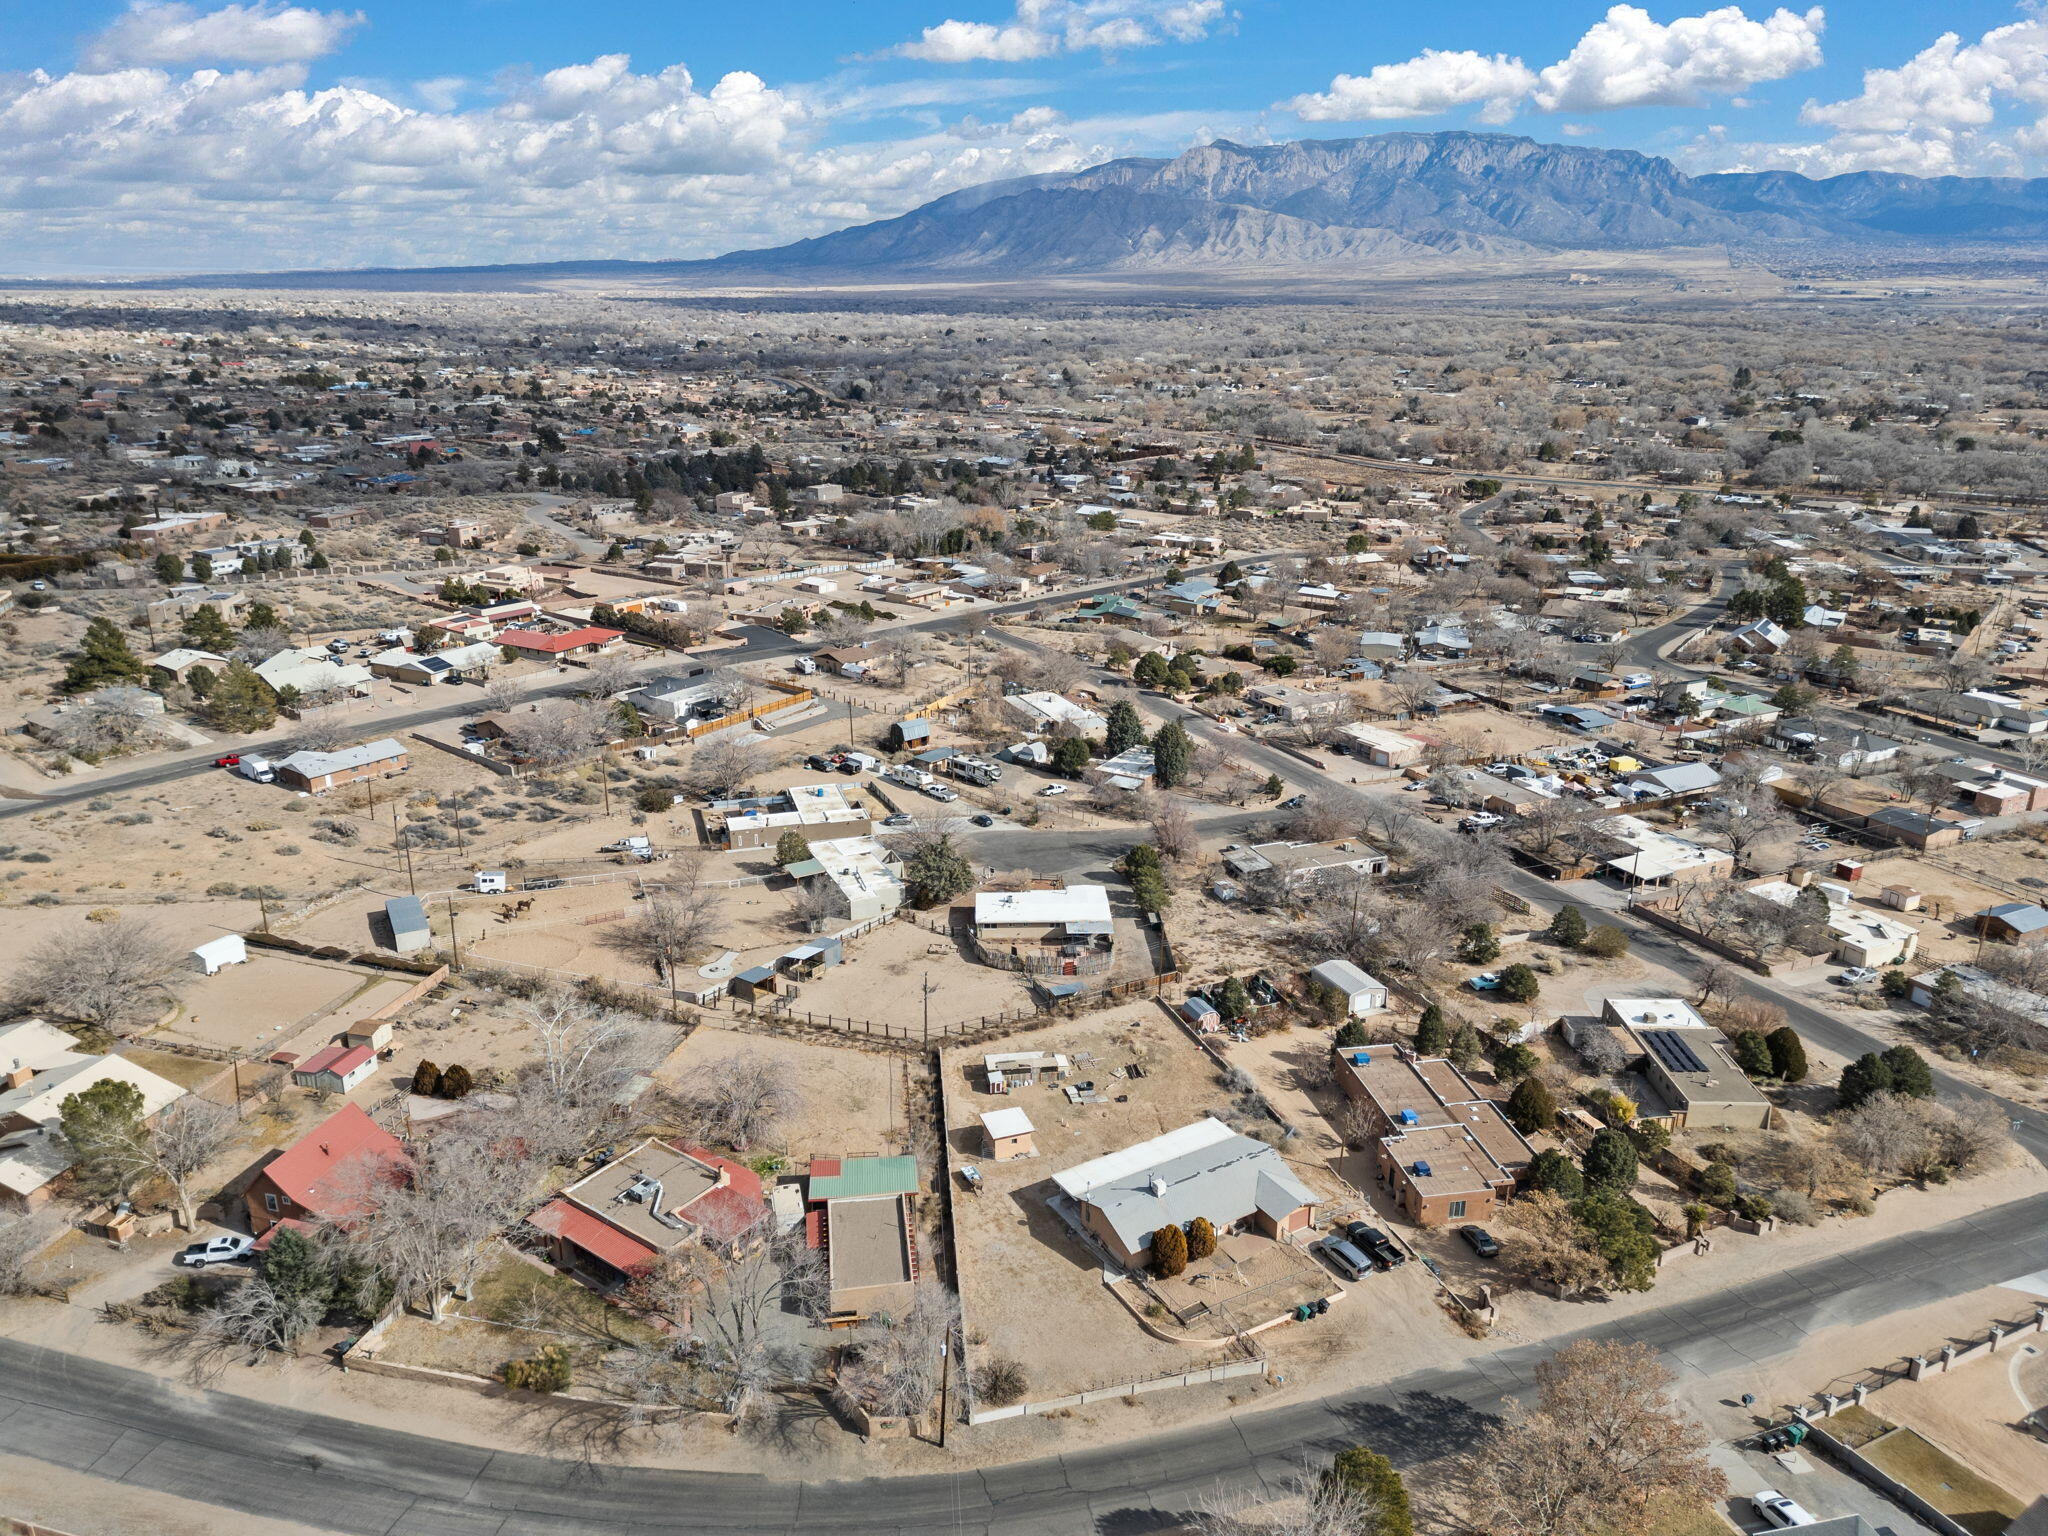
324 1173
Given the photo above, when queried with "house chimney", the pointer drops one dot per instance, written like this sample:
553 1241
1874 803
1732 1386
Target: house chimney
18 1076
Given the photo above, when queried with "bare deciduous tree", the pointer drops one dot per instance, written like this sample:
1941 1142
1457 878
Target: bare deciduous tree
672 924
559 731
251 1321
892 1363
109 721
1603 1444
1173 830
109 974
739 1100
1308 1506
725 763
22 1236
716 1301
570 1099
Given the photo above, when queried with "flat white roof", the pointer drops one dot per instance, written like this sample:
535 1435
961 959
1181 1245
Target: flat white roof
1075 904
1007 1122
1657 1012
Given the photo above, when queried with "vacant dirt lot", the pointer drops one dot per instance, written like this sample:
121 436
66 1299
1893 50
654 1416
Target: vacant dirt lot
261 1003
850 1102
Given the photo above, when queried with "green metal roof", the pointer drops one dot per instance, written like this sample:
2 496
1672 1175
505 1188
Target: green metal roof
860 1176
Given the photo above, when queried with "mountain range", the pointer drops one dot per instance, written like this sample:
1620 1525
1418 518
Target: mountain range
1324 206
1396 196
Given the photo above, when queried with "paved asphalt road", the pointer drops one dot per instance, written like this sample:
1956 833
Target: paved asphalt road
762 645
338 1475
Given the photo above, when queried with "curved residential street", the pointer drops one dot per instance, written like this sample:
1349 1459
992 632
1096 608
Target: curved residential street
332 1474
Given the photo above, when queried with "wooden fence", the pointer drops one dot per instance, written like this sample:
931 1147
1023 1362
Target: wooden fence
792 697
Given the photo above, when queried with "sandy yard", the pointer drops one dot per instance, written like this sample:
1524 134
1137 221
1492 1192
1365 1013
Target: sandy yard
264 1002
852 1102
184 924
1974 1413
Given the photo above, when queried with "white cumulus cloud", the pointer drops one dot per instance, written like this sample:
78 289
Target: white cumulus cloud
1629 60
1626 59
1043 28
164 32
1937 114
147 169
1431 83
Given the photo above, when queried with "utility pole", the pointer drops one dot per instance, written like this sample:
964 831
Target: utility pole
925 986
945 1383
454 938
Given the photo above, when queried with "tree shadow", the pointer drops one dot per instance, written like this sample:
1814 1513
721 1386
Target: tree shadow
1416 1427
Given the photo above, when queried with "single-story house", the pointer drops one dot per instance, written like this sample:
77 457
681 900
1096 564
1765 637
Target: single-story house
335 1068
318 772
40 1067
1042 712
1018 922
618 1219
858 878
859 1212
1381 747
1683 1071
1205 1169
180 662
310 670
575 643
1675 781
327 1173
1442 1147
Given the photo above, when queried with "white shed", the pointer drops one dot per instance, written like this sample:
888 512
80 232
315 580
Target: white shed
216 955
1362 993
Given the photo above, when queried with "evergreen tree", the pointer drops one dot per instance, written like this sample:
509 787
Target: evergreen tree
791 848
1432 1032
1553 1171
1169 1252
1624 1234
1373 1478
298 1273
1274 787
1788 1054
1517 1061
1201 1235
261 616
1868 1074
1126 729
1519 984
207 630
1610 1161
1751 1053
1466 1048
103 1124
1911 1075
1531 1108
1070 757
1568 928
456 1082
1351 1035
1479 946
1717 1184
1151 670
937 872
1172 754
170 569
103 660
1233 1001
200 680
426 1079
241 701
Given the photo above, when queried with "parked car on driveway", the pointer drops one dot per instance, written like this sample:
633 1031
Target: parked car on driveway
1779 1511
1344 1258
1485 981
215 1250
1053 789
983 820
1858 976
1294 804
1481 1241
1375 1244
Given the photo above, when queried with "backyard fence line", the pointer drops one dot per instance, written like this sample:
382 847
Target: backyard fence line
1228 1372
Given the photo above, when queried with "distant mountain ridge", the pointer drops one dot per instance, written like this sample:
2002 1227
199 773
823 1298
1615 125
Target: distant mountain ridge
1313 206
1391 197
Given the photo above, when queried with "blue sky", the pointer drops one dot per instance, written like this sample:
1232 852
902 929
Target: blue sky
169 135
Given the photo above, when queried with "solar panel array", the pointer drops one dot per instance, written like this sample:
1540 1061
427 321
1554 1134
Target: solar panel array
1671 1048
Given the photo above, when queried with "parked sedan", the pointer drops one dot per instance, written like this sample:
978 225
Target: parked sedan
1051 790
216 1250
983 821
899 820
1481 1241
